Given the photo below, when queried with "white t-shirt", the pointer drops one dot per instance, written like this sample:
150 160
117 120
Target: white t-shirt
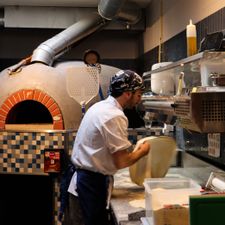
102 132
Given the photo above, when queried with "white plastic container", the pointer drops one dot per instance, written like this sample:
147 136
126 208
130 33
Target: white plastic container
161 192
162 83
191 39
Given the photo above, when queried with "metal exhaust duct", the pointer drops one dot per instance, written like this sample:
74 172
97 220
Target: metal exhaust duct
47 51
123 10
108 9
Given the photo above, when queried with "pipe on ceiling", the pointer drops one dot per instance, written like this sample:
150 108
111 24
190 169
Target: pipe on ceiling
122 10
47 51
108 9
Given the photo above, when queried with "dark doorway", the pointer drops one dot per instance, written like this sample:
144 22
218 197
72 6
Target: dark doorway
26 199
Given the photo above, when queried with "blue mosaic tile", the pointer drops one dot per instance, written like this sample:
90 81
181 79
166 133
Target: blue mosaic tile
38 166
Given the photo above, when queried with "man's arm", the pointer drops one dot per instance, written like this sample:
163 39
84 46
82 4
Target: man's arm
125 158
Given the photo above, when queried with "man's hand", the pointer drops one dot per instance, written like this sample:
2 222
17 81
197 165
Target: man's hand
125 158
144 147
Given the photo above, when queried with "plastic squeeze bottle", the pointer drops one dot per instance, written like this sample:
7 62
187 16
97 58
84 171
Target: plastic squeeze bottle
191 39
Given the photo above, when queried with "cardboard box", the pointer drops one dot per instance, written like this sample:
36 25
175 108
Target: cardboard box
167 199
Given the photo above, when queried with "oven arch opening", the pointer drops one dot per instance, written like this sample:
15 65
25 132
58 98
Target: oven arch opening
33 95
29 114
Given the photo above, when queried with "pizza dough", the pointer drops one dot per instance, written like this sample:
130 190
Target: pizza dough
157 162
140 203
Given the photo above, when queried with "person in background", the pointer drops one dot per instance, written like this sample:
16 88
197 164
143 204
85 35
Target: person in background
102 147
91 57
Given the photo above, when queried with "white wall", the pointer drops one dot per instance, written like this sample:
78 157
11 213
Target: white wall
176 15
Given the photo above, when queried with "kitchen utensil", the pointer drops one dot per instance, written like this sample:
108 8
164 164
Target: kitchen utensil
83 84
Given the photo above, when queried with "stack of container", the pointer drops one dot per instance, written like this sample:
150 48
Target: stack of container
167 200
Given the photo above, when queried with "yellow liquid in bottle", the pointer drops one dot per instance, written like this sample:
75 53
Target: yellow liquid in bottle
191 46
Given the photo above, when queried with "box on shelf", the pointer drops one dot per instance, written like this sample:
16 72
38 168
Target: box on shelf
167 199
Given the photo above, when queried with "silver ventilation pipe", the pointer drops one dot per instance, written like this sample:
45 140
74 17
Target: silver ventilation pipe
122 10
108 9
47 51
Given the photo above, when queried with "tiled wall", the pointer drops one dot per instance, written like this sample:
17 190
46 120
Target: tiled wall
23 152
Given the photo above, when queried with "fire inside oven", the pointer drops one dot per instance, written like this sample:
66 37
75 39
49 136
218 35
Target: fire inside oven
29 114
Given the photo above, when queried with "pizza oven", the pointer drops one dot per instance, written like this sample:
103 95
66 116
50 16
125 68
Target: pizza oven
40 111
40 97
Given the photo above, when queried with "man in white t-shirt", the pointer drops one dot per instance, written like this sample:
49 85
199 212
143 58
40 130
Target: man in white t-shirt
102 147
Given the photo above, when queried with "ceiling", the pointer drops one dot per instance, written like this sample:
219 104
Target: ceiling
62 3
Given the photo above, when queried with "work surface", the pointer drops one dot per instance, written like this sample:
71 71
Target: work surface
128 199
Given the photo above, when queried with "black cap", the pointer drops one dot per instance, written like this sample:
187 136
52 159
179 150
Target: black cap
125 80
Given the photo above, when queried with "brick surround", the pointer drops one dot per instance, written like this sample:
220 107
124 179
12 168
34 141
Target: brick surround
35 95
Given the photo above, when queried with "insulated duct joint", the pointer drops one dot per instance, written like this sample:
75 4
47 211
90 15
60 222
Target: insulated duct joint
122 10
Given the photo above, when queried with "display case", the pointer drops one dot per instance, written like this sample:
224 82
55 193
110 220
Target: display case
190 95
